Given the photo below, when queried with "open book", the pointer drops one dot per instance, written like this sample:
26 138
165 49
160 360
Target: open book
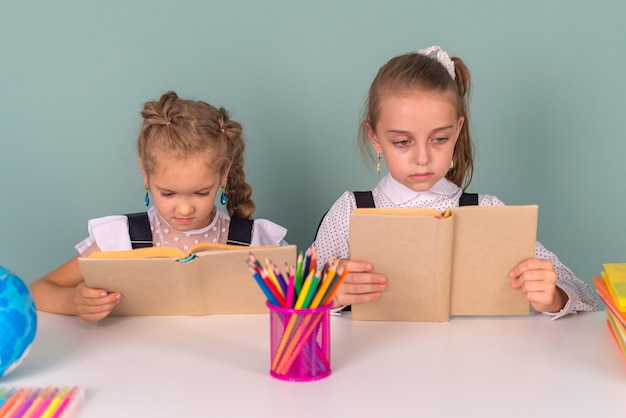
441 264
208 279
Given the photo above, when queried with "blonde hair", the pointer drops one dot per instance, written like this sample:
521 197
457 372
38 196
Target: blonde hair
415 72
187 128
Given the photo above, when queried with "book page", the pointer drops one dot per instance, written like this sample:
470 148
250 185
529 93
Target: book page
171 252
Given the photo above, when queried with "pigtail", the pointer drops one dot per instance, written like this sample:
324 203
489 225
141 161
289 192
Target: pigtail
463 157
238 192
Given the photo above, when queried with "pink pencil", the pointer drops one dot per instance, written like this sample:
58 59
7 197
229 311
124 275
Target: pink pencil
291 289
45 402
65 402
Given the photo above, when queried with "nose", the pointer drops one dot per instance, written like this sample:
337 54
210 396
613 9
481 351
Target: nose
184 207
421 154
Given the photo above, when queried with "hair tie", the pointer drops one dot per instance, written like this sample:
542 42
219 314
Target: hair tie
168 123
222 130
435 52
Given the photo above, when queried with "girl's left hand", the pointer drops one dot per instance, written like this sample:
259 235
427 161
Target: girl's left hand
537 280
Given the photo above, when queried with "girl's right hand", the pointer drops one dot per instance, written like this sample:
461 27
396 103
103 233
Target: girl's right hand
94 304
359 285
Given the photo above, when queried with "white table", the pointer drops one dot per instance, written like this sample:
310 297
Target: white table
218 366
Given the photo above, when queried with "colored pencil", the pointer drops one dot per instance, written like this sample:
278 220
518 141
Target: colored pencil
279 277
291 289
312 290
280 284
299 273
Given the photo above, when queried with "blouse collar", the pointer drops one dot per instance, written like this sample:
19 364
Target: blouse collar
194 231
400 194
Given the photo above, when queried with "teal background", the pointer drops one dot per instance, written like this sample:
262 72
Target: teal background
547 108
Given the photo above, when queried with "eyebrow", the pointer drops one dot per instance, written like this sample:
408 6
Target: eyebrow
203 190
401 132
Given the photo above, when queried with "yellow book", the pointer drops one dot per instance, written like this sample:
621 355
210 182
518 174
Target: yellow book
208 279
615 278
442 264
618 331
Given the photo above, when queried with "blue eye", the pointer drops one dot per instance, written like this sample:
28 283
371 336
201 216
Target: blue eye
402 143
440 140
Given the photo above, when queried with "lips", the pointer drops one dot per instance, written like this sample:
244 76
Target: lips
183 221
420 176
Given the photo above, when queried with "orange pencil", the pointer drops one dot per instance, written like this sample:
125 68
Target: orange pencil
36 402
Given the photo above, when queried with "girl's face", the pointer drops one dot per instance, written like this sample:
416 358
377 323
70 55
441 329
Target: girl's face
416 134
184 190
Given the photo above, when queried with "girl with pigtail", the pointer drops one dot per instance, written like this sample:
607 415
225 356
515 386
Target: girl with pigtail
189 152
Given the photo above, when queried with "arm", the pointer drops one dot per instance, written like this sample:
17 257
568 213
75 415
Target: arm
63 291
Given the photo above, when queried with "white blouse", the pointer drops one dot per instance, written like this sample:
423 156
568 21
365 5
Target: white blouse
333 233
110 233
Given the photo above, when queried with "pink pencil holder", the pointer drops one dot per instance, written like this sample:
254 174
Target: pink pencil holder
299 343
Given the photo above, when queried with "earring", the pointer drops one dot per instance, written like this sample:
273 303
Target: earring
378 162
146 200
223 198
451 164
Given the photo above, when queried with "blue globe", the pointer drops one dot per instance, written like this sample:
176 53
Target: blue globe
18 321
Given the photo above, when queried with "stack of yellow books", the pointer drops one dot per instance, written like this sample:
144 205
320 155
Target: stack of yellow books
611 288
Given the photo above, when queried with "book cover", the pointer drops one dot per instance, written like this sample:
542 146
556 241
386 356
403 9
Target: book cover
616 282
442 264
618 331
607 299
209 279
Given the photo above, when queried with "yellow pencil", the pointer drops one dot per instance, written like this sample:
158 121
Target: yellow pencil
305 290
273 277
54 404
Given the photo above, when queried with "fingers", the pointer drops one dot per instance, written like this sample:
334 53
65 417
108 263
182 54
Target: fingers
531 264
360 285
536 279
94 304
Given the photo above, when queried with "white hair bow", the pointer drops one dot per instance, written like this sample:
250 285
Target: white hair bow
435 52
